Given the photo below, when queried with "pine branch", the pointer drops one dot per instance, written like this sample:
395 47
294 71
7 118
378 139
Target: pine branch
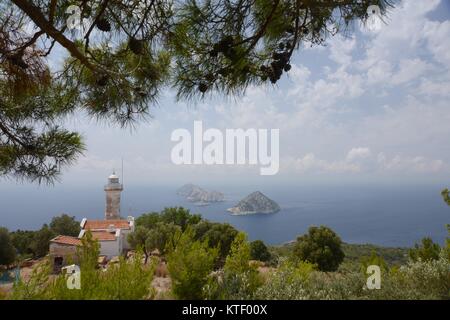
39 19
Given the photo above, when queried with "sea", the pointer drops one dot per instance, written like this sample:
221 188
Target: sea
396 216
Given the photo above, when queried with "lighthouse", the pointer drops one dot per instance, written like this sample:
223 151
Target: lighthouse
113 190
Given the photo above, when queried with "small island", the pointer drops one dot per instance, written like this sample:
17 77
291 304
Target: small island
254 203
198 195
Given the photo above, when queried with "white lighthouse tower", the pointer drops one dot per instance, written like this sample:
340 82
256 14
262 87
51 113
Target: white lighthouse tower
113 190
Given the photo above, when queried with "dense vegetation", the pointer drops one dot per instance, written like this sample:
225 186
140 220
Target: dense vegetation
126 280
353 254
7 250
159 230
312 267
35 244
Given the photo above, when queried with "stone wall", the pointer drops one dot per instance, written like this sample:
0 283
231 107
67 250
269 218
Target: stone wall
66 252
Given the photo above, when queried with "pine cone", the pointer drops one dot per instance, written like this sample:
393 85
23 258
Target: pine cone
102 81
136 46
104 25
203 87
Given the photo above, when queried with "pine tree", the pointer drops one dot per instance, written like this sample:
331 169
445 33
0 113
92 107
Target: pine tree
128 51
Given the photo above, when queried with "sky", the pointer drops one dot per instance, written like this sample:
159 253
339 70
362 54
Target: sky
369 108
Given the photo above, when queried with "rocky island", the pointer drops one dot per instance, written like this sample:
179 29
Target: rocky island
255 202
196 194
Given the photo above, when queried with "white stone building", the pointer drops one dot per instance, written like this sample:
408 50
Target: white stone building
111 233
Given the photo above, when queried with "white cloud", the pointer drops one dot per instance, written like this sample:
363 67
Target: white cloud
381 163
373 103
409 69
408 164
358 153
433 88
437 35
379 72
310 162
299 74
386 90
341 50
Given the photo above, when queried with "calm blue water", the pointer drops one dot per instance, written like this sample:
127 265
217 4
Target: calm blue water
391 216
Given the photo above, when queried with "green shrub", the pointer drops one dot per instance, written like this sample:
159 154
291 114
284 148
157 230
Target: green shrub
302 282
157 237
239 279
416 280
373 259
320 246
180 217
7 250
287 282
447 241
259 251
3 294
427 250
189 264
65 225
36 286
126 280
22 241
219 235
41 241
177 215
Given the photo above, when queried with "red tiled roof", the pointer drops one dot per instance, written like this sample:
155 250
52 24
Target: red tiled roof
104 224
103 236
71 241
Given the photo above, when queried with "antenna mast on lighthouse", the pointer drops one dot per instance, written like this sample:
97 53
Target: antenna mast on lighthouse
122 171
122 176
